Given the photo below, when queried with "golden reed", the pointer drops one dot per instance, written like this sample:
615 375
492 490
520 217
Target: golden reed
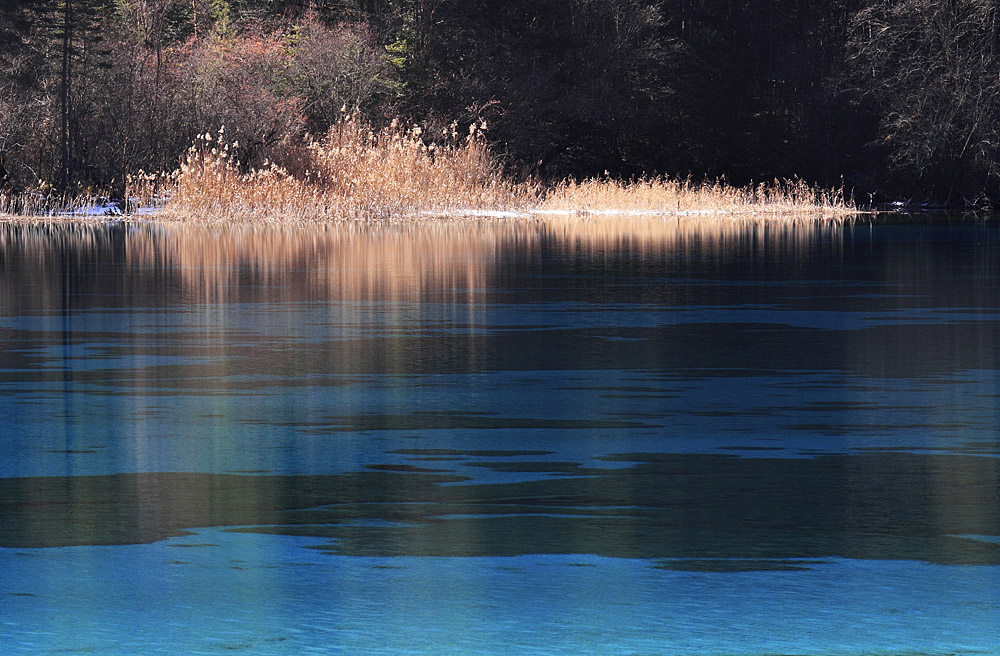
353 172
357 172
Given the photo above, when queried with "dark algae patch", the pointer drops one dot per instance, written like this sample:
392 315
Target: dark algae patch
705 512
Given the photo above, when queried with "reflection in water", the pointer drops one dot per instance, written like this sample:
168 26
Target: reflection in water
365 260
388 261
757 419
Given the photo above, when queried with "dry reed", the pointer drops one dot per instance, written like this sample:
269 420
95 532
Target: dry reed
354 172
788 198
44 200
357 172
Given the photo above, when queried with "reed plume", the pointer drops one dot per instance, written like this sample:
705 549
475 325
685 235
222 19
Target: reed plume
357 172
353 172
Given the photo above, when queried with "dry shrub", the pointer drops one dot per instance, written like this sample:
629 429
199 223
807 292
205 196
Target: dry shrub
237 82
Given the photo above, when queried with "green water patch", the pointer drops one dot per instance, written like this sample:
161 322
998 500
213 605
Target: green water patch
663 507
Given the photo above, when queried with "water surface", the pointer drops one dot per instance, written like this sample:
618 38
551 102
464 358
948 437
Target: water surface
588 435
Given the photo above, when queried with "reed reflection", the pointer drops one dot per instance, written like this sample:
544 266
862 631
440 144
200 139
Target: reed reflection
458 259
385 261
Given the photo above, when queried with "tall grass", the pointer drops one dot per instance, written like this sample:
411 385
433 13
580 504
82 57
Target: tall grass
357 172
669 196
353 172
44 200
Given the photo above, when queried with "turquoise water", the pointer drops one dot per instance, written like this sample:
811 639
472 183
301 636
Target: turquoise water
587 436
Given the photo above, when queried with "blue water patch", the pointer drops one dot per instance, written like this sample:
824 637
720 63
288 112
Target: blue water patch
335 423
283 598
500 438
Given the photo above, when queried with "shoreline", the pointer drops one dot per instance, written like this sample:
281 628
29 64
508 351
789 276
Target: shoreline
112 214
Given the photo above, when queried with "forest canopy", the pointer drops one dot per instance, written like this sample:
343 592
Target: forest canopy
893 99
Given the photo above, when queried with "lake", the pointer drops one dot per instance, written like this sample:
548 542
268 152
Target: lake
586 436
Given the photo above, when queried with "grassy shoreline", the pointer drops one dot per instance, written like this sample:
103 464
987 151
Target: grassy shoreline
355 172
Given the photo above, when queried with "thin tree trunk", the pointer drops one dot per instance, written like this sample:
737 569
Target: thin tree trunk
65 97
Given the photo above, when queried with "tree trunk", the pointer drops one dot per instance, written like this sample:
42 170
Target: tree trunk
65 97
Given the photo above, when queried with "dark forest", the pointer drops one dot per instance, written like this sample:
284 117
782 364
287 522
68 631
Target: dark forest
893 99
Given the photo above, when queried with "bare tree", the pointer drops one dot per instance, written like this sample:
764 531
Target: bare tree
931 69
335 67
